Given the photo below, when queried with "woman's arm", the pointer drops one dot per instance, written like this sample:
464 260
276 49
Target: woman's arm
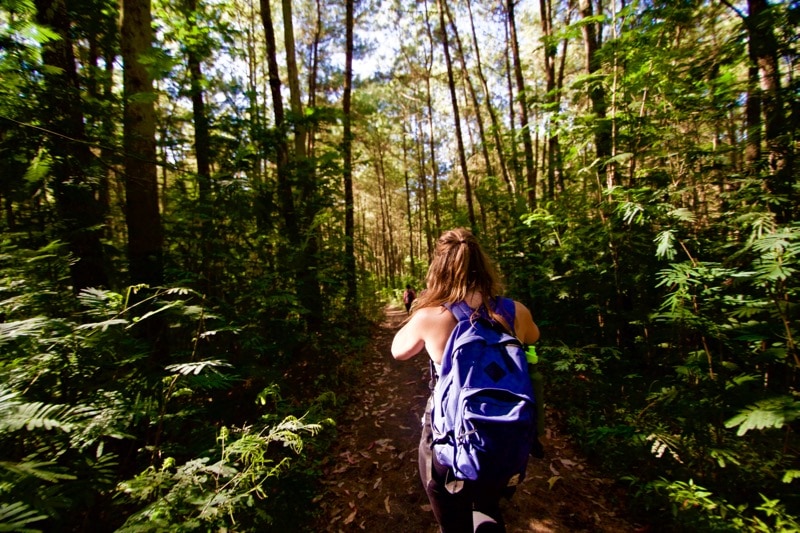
408 341
526 329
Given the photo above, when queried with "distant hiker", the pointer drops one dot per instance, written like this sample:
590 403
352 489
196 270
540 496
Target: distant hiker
462 296
408 297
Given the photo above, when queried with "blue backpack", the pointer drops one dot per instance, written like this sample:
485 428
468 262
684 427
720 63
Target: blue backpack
484 413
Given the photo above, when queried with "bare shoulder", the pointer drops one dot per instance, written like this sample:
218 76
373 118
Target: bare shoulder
425 329
433 314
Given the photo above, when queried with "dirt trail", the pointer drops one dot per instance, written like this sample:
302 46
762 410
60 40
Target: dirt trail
371 482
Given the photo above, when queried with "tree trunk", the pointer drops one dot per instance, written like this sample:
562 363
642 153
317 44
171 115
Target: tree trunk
487 96
462 156
145 237
202 149
473 97
347 149
763 51
550 85
293 79
422 178
80 213
597 94
409 211
522 101
431 131
307 246
512 127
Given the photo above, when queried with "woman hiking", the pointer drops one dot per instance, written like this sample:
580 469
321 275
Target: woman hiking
459 272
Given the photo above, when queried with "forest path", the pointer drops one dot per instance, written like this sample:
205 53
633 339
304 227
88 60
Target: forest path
371 481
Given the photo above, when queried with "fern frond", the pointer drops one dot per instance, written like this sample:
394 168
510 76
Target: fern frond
37 469
16 517
21 328
197 366
104 325
100 302
769 413
33 415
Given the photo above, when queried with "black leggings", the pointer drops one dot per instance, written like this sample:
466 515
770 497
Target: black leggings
454 508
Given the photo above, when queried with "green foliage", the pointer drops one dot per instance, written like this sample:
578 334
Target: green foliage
769 413
81 387
671 350
221 492
694 506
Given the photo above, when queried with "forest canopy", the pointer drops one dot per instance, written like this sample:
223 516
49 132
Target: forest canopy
206 203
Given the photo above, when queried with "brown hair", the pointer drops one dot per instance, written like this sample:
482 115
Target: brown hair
459 267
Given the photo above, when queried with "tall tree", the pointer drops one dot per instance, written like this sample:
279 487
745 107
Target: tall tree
522 102
437 219
765 100
550 48
592 40
145 236
195 48
285 194
347 149
462 156
470 88
79 209
304 175
487 98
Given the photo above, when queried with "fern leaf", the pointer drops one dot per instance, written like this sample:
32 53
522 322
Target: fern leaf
38 415
104 325
790 476
665 249
16 516
769 413
36 469
21 328
197 366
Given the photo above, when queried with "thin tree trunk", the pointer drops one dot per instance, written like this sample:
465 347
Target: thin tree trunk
423 184
487 96
550 86
409 213
559 160
763 52
462 156
202 149
432 132
473 97
314 72
347 149
597 93
282 150
522 101
80 214
293 79
512 127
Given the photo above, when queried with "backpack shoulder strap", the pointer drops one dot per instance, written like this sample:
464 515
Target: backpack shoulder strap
460 310
507 309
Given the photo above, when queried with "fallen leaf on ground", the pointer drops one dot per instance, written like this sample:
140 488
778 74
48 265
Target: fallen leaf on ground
386 505
351 517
